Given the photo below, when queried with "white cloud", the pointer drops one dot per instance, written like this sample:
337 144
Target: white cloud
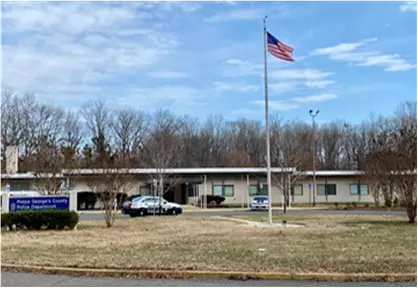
319 84
391 63
300 74
61 47
236 15
340 48
235 87
242 111
237 67
408 6
278 105
316 98
282 87
174 97
167 74
347 52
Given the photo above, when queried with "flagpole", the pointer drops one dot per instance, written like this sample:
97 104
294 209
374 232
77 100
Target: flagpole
270 199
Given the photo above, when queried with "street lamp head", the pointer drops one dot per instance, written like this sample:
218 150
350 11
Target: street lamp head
311 112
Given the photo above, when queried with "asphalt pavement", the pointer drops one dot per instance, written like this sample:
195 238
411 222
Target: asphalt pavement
99 216
9 279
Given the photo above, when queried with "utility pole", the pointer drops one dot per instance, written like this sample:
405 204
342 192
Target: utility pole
313 115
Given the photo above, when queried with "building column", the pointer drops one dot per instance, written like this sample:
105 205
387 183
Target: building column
205 202
4 202
73 201
248 191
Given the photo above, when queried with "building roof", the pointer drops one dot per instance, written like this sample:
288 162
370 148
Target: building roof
213 170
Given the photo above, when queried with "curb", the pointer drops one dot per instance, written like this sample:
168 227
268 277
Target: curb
161 274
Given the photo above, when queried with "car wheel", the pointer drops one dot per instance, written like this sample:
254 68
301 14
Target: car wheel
141 212
132 215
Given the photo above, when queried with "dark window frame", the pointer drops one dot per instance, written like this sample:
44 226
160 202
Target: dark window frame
357 193
223 189
326 190
293 192
258 190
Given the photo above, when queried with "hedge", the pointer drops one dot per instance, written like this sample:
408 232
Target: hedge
37 220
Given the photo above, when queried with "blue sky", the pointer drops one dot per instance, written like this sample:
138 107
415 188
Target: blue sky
201 58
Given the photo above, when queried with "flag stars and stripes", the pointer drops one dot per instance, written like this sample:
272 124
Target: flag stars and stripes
279 49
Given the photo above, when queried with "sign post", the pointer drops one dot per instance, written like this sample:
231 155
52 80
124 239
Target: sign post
310 192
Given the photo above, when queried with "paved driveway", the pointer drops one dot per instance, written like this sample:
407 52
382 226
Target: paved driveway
26 279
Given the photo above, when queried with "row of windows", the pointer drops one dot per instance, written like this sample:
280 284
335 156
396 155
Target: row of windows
228 190
297 190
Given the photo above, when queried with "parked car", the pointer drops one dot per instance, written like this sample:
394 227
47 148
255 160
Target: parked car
146 205
260 203
128 203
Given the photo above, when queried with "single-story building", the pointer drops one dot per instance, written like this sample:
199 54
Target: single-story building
237 185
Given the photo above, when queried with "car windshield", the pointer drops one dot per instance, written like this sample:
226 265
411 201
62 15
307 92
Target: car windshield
137 199
260 198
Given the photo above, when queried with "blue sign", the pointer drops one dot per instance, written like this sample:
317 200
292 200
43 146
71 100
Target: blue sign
310 186
39 203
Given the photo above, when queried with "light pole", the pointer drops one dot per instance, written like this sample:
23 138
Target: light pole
313 115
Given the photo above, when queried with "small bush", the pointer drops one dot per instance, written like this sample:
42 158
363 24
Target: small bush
336 205
354 204
366 205
212 200
37 220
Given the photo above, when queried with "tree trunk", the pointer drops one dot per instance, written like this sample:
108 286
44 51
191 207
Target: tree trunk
411 210
284 195
161 194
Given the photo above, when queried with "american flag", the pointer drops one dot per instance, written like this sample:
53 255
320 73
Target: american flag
279 49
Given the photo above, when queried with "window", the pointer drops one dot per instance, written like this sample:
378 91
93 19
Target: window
229 191
364 189
19 186
144 190
217 190
326 189
223 190
257 190
297 190
253 190
193 190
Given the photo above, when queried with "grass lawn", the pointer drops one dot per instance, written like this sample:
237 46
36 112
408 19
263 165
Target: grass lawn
326 243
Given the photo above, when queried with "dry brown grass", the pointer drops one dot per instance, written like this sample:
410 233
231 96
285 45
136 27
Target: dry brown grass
337 243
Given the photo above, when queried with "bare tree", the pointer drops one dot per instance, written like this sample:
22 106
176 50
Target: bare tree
109 182
99 124
189 142
394 157
161 150
246 144
288 152
214 144
330 145
129 129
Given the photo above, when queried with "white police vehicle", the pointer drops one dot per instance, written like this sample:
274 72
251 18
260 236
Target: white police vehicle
148 205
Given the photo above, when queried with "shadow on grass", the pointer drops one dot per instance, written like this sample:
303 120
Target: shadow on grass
387 223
